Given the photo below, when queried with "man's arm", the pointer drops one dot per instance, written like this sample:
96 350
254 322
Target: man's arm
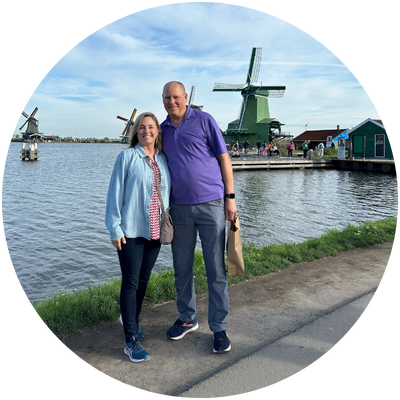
227 177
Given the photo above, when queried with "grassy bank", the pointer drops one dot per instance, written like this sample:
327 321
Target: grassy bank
71 312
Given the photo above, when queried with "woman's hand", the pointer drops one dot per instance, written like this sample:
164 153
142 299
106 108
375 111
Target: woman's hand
117 243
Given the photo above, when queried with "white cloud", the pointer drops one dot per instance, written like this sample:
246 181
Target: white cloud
125 65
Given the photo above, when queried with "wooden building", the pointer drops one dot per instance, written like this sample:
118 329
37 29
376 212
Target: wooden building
316 137
369 140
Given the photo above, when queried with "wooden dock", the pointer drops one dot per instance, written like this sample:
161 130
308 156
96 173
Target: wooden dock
260 162
385 166
254 162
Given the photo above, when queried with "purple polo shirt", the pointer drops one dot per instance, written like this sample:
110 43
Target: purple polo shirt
191 149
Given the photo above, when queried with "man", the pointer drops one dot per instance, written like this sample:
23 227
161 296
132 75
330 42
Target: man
246 146
202 199
270 149
258 145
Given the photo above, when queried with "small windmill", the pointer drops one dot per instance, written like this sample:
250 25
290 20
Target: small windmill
33 125
191 99
254 121
126 133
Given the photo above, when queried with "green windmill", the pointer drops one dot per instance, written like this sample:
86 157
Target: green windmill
254 122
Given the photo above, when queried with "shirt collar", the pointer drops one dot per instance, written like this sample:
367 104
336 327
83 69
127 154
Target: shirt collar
141 152
188 114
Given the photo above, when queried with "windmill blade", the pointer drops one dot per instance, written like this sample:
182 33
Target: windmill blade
254 66
269 91
228 87
191 97
128 121
34 112
133 114
242 111
123 132
24 124
25 114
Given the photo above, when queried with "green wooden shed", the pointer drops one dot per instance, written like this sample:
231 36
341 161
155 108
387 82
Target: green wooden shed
369 140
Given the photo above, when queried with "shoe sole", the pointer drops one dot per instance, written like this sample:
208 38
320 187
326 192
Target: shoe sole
136 360
222 351
194 328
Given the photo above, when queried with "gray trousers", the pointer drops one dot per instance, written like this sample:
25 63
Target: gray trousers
209 220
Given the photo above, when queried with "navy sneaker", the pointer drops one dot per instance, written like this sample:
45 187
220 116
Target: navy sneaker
140 333
181 328
135 351
221 342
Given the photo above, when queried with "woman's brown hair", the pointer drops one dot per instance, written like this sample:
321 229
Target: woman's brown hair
134 140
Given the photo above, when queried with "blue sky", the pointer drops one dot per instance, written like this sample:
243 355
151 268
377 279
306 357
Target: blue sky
125 64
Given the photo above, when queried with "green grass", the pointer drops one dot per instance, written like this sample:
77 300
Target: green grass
72 312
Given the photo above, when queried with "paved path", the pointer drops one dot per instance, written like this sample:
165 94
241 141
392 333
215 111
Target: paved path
278 324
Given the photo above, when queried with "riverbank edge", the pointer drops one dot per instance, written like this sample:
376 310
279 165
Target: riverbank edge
73 312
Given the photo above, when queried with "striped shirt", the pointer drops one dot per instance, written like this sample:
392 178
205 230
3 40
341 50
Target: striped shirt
154 214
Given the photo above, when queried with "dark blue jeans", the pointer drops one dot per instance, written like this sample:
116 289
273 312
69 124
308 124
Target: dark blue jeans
137 258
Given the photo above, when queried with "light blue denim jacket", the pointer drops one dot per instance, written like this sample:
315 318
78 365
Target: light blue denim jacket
130 191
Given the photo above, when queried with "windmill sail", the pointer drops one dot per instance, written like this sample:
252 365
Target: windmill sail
191 99
227 87
254 66
33 123
270 91
129 125
254 120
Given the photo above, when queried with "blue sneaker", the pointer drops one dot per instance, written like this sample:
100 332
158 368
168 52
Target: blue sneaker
140 333
181 328
221 342
135 351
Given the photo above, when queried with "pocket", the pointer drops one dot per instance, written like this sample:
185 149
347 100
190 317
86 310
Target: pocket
217 203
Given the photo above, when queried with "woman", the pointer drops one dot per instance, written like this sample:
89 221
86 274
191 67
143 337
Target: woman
290 149
305 148
133 219
235 152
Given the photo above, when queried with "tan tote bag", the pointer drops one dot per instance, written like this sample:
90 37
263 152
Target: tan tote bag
234 249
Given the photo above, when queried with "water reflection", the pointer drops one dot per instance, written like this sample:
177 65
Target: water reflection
279 206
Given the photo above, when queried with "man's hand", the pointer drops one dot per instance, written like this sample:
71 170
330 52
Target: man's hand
230 209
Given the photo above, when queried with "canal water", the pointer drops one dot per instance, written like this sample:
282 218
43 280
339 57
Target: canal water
53 211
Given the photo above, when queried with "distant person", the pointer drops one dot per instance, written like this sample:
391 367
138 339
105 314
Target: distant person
305 148
270 149
235 152
275 150
133 220
258 146
290 149
246 146
202 199
320 150
265 148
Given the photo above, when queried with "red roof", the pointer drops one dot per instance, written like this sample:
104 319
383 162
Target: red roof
318 135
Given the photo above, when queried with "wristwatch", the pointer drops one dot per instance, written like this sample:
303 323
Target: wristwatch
230 195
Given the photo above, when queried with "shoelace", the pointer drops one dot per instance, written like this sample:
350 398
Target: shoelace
138 346
220 335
